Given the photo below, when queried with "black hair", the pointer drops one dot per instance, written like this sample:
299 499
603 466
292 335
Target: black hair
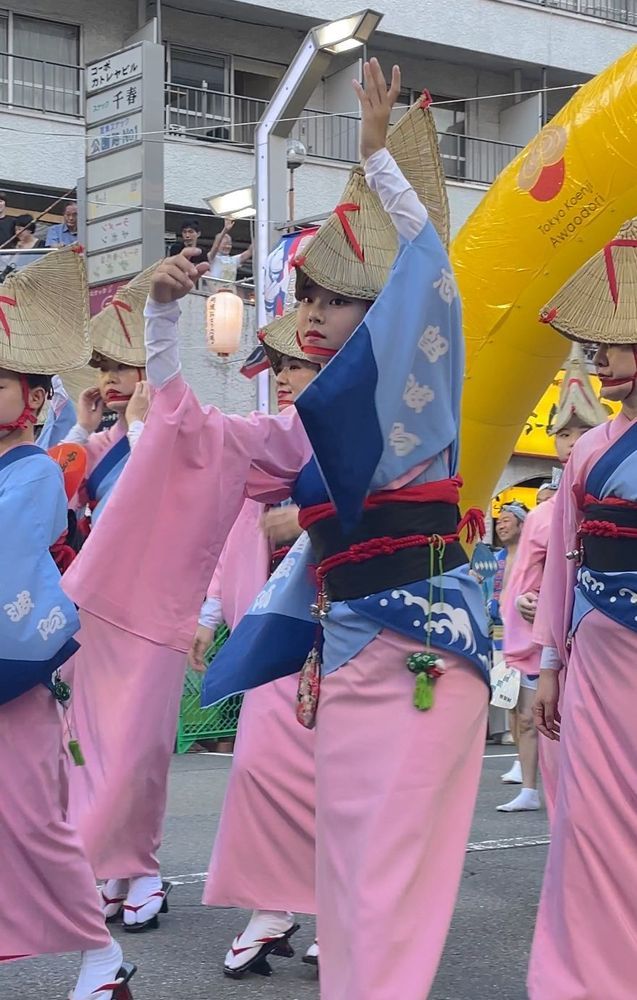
303 282
3 197
190 224
41 382
26 221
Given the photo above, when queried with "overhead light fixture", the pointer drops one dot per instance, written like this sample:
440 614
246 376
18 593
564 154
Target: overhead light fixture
237 204
348 32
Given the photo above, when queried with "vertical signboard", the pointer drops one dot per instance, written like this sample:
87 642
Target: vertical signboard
124 173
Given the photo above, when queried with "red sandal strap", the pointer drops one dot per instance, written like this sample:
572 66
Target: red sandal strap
134 909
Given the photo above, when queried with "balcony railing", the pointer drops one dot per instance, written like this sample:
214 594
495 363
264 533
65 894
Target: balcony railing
215 117
39 85
617 11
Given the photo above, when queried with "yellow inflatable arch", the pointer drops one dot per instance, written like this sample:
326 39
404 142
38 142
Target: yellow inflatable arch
556 204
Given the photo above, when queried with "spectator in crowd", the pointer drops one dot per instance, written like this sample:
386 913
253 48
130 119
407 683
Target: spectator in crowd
63 234
190 233
6 222
223 265
25 239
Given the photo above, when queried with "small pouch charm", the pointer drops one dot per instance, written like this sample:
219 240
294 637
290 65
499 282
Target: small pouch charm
307 696
62 692
427 666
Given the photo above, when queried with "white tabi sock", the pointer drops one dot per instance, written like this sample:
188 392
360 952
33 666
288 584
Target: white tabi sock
145 896
264 925
112 895
99 967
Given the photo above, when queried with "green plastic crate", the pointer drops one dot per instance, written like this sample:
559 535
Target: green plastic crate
196 723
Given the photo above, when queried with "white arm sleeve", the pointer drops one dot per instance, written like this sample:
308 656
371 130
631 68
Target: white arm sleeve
550 659
134 432
77 435
162 343
398 198
211 615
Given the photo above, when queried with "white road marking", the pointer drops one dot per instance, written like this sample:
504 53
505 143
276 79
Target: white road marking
502 844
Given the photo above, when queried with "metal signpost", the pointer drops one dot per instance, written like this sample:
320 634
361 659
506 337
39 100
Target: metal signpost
124 173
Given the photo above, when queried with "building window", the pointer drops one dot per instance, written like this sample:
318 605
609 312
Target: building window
197 99
39 64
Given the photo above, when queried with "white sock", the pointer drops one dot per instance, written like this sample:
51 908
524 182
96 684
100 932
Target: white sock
313 950
514 775
527 800
262 927
142 896
99 966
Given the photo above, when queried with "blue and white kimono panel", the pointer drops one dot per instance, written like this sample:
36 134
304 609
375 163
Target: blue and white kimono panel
386 408
104 476
37 620
614 594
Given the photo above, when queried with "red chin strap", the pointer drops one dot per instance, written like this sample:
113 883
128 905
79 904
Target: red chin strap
624 381
314 351
28 416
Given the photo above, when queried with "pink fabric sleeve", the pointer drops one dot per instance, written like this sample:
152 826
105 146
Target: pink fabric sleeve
149 559
526 576
555 604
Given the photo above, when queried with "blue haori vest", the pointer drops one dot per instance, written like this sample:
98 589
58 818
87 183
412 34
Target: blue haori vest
37 620
612 479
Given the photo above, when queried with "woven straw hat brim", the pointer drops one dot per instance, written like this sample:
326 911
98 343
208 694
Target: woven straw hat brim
117 332
279 340
578 405
44 317
599 303
413 142
332 260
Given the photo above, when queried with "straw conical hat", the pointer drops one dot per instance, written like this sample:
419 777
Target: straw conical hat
599 303
44 319
353 251
279 339
578 405
117 332
413 142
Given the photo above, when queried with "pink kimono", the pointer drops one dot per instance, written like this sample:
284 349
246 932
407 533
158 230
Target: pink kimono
129 671
586 934
520 650
263 856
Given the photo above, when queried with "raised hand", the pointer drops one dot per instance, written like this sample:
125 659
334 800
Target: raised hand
376 101
90 410
138 404
176 276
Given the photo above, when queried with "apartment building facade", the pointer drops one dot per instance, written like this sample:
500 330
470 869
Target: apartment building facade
496 69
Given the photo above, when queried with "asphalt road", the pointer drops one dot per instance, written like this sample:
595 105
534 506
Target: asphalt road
486 953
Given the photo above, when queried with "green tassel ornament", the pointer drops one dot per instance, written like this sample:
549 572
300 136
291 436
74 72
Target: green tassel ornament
427 666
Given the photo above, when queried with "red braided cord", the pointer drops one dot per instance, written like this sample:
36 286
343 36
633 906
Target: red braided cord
441 491
606 529
362 551
590 500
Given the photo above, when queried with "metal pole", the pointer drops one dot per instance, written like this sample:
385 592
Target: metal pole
158 16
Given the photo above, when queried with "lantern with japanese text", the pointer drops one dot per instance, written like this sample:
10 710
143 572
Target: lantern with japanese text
224 322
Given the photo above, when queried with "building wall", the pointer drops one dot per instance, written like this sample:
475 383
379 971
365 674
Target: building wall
522 32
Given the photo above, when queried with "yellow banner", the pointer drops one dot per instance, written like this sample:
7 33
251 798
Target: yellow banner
523 494
535 440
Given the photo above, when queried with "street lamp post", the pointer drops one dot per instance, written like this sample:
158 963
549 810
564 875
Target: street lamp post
309 64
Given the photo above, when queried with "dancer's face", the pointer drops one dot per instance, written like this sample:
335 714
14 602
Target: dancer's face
12 399
616 366
117 384
292 379
326 320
